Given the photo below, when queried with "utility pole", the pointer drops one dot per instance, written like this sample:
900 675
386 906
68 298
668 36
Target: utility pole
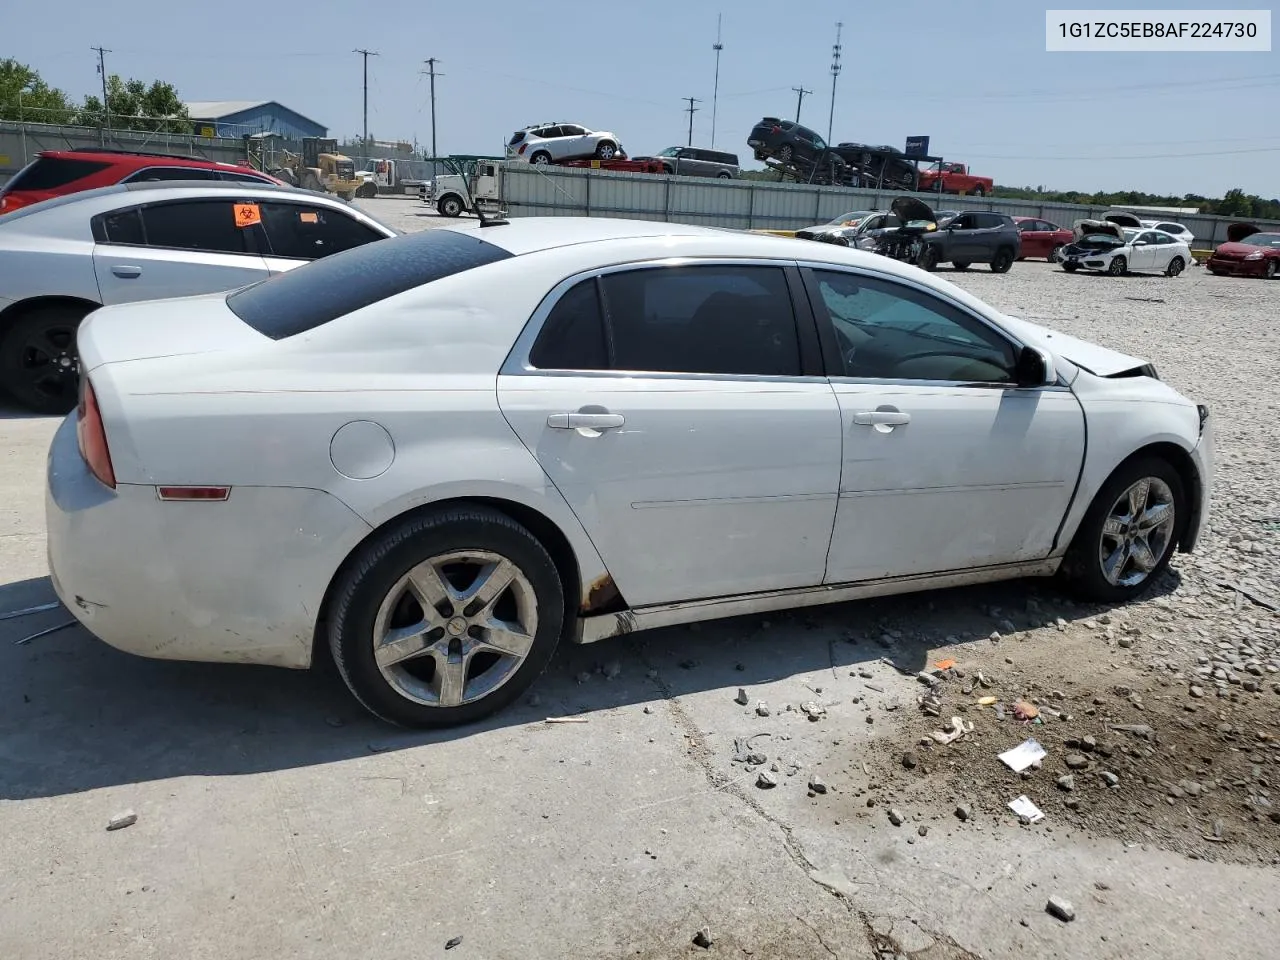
835 73
691 110
715 93
800 92
102 72
431 72
366 54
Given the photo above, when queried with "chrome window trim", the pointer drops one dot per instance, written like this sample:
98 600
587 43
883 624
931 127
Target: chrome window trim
517 362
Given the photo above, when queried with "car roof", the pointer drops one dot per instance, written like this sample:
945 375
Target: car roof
143 158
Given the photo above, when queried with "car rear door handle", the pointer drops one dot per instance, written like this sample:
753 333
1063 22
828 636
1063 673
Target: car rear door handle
585 421
126 270
888 418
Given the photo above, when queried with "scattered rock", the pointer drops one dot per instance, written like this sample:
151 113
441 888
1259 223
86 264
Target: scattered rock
1251 686
814 711
909 760
703 938
126 818
1071 803
1137 729
922 830
1125 642
1061 908
766 780
1066 782
648 709
896 817
817 785
1088 744
762 709
742 699
964 811
1196 691
452 942
1076 761
1109 778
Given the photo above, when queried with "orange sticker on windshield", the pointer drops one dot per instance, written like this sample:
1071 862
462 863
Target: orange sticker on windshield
247 214
309 217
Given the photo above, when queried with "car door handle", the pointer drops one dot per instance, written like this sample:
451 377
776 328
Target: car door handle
585 421
888 418
126 270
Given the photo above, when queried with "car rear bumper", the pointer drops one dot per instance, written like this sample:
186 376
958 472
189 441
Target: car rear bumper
239 581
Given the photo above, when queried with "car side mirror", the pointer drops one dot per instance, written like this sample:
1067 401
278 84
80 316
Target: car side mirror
1035 368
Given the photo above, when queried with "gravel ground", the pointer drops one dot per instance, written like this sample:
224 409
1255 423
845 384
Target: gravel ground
275 819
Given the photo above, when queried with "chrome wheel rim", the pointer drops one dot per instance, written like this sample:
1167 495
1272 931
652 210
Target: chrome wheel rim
606 152
455 628
1137 533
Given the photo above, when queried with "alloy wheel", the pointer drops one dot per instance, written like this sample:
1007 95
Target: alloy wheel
455 628
49 364
1137 532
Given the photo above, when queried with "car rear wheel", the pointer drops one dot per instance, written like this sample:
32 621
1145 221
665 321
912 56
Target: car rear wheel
1119 267
1269 271
446 617
961 264
1002 261
979 192
1175 267
724 175
449 206
606 150
39 365
367 190
1129 533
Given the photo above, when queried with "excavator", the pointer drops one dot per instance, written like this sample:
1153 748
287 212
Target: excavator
319 167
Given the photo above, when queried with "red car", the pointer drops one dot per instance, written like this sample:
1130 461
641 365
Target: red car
1040 238
56 173
1248 252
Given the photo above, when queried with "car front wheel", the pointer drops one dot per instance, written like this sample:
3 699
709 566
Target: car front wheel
1119 267
1129 533
607 150
446 617
1269 271
1002 261
1055 255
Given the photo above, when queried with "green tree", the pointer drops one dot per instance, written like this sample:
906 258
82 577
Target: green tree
132 105
24 96
1235 203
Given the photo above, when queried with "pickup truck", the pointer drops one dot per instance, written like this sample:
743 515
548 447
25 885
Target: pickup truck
955 178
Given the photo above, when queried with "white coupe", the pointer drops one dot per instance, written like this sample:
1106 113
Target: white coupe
441 454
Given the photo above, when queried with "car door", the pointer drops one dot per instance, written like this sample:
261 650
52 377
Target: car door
1035 242
575 142
1163 250
174 249
961 239
948 463
297 233
682 413
1143 251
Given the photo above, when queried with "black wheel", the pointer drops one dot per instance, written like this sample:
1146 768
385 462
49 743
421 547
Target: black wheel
1001 261
1175 267
39 366
1055 255
724 175
366 190
669 170
1119 267
928 259
606 150
979 192
446 617
961 264
1269 271
1071 267
449 206
541 158
785 153
1129 533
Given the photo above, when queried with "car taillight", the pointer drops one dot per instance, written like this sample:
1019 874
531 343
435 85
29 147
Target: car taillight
91 436
521 150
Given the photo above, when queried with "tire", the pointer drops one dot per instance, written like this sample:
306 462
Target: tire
1175 267
724 175
1002 260
449 206
1218 273
367 190
928 259
979 192
961 264
1071 267
39 366
1269 271
669 170
785 153
540 159
1119 267
374 595
606 150
1055 255
1099 540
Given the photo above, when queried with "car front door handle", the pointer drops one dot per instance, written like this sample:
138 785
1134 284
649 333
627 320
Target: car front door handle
126 270
887 418
585 421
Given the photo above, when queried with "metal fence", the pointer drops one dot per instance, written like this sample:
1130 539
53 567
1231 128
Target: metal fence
760 205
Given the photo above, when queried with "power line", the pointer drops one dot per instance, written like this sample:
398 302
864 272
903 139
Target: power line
691 110
800 92
102 71
366 54
1173 87
715 91
431 72
835 74
1135 156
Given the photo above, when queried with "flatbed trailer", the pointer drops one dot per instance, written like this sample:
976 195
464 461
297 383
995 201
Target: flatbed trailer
618 166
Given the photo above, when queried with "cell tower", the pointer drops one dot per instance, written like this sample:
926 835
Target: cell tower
715 94
835 73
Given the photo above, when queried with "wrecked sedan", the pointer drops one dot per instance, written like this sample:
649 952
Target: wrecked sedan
440 455
839 231
1248 252
1104 246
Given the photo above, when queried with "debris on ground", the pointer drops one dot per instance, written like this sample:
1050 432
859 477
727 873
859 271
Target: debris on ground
909 760
958 729
742 699
897 818
453 942
1023 755
1061 908
126 818
817 784
762 709
964 811
703 938
812 710
765 780
1025 711
1026 809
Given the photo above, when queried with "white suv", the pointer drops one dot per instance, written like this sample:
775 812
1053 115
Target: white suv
551 142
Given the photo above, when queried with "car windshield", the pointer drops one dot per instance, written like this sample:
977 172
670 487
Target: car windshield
819 142
669 152
1129 234
851 215
1264 240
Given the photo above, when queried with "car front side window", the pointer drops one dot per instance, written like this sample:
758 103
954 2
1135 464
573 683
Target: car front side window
889 331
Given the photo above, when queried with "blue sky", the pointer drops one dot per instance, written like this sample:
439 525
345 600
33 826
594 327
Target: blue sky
974 77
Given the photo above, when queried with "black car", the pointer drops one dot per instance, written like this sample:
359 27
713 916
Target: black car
798 149
972 236
876 166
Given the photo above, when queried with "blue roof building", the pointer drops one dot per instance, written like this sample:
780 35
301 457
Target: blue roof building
239 118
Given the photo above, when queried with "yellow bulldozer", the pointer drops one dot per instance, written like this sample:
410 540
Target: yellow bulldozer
319 167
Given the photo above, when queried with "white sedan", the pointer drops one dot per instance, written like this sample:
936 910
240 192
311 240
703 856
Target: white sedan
441 454
1106 247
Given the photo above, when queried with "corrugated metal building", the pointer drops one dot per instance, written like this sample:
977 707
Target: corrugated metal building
239 118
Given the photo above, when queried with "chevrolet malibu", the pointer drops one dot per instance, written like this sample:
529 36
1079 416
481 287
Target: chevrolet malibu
442 454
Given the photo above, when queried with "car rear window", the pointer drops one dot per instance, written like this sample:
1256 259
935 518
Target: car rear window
313 295
50 173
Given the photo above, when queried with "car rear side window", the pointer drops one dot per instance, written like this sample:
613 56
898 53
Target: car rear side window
120 226
306 232
208 225
311 296
50 173
572 338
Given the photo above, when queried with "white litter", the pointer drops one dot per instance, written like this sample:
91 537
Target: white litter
1023 755
1027 810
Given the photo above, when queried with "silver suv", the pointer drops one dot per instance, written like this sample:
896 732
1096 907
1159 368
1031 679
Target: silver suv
697 162
552 142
